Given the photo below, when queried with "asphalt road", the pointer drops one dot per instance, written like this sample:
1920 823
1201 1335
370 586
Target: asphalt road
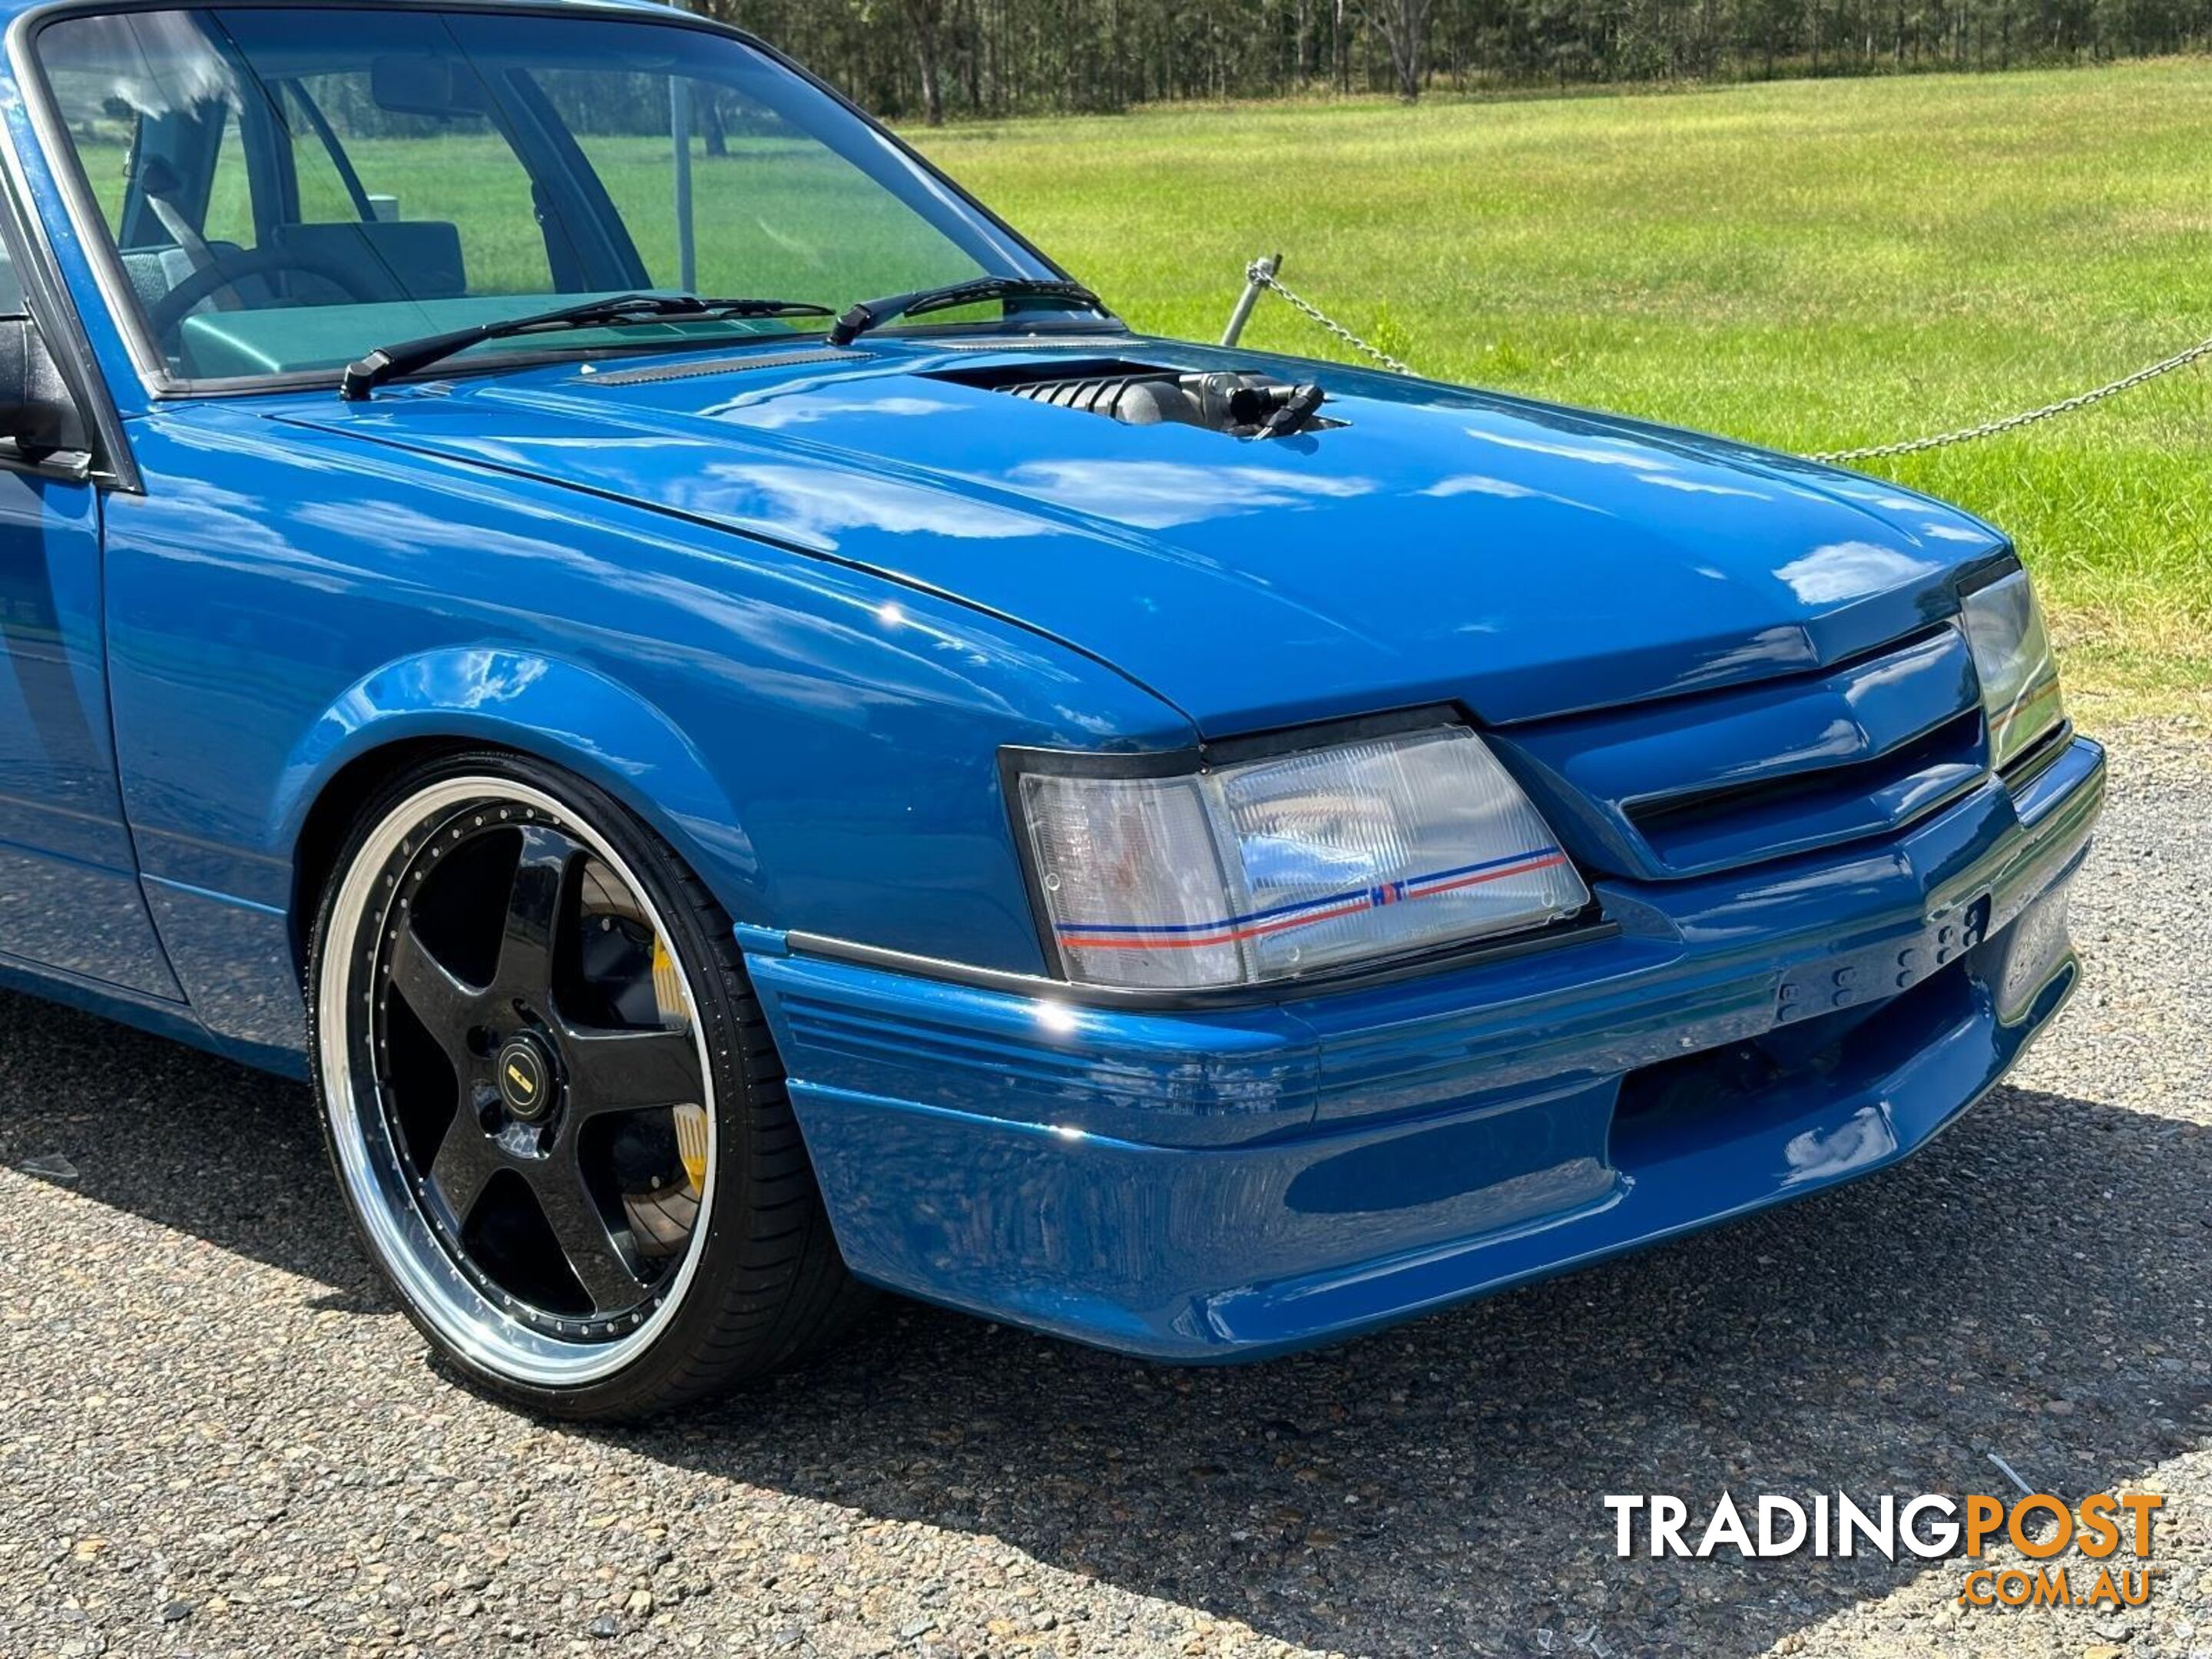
216 1436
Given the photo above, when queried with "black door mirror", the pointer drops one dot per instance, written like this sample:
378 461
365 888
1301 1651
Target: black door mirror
38 414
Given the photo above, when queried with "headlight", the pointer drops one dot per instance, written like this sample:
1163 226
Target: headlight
1270 868
2012 655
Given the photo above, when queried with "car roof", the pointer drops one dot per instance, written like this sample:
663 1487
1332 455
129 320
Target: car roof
12 9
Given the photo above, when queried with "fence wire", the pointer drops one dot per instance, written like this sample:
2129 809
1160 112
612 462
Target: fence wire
1260 274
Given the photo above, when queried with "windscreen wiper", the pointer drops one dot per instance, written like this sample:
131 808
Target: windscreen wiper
869 313
364 375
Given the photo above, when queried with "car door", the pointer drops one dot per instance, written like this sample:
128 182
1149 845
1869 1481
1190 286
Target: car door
70 897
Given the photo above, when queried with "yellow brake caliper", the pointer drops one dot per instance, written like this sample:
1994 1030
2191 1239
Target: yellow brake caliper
691 1118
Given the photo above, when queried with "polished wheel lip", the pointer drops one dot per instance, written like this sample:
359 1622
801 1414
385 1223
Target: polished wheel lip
404 1240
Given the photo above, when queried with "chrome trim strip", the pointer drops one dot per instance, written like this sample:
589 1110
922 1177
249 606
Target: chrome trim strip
1039 987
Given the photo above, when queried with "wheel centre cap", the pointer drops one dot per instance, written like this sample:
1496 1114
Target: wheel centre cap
526 1077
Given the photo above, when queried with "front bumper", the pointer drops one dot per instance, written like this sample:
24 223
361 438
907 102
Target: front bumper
1227 1183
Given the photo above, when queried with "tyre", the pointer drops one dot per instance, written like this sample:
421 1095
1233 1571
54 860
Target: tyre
552 1102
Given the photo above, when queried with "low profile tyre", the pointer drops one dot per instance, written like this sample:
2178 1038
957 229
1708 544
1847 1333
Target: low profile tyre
552 1101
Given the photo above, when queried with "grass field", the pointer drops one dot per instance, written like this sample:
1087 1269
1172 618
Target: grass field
1810 265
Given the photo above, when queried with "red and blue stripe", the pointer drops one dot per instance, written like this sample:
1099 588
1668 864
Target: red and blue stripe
1304 912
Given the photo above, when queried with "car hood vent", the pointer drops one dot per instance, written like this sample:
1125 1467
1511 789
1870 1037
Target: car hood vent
1240 404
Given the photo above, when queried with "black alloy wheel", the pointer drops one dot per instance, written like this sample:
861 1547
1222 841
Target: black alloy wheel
552 1101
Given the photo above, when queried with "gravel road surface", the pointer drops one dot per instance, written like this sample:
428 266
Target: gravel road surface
216 1436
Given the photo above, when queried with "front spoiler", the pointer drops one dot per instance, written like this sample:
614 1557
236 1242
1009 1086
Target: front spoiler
1231 1183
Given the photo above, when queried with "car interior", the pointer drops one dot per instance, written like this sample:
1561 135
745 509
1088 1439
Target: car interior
223 237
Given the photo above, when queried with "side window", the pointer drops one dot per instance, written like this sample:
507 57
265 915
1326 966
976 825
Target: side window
228 216
326 179
456 170
11 287
773 214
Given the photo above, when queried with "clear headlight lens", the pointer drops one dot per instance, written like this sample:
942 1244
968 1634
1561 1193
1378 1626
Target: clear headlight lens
2012 655
1275 867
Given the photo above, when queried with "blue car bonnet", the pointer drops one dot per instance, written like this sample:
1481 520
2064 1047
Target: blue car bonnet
1441 544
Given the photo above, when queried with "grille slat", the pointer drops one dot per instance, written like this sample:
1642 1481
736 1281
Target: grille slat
1729 778
1808 809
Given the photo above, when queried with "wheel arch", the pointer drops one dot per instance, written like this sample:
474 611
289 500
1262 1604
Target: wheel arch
520 702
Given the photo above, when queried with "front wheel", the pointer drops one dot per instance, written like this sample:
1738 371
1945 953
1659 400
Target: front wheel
552 1102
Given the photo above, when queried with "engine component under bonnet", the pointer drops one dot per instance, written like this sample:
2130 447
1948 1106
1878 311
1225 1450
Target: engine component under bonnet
1241 404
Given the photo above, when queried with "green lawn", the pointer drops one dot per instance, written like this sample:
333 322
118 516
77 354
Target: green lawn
1810 265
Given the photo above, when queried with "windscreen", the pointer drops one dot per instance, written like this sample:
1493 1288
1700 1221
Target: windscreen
286 189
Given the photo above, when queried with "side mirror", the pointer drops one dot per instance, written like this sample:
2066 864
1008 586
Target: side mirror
37 411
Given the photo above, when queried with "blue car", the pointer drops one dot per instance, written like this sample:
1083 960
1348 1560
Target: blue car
756 743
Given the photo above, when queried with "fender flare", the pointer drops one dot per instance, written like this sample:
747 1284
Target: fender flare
555 710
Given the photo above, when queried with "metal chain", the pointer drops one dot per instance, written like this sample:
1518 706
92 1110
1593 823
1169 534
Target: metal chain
1261 277
2013 422
1260 274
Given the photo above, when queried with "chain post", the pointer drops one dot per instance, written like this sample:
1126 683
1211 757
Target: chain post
1260 274
1257 276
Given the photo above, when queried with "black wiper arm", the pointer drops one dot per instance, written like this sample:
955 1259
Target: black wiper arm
365 375
870 313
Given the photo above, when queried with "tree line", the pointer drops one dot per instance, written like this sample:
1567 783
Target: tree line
930 59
